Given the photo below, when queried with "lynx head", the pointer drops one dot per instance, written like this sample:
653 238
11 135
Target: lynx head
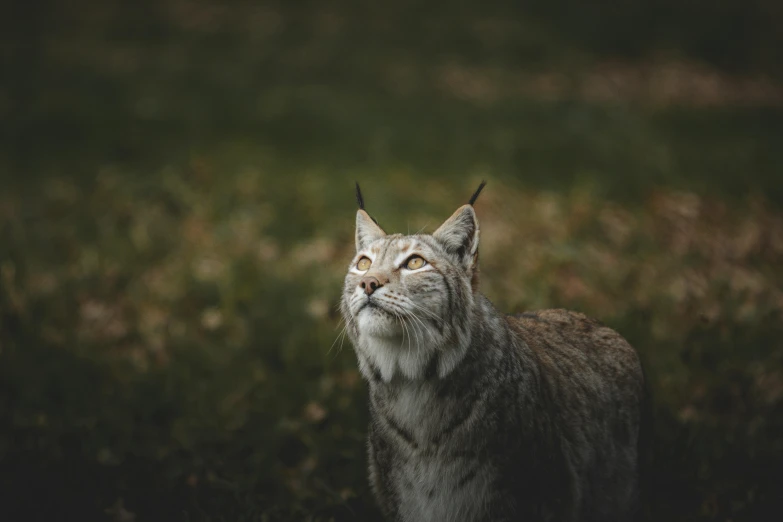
408 300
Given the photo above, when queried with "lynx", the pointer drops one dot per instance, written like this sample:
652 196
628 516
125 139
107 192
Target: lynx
477 415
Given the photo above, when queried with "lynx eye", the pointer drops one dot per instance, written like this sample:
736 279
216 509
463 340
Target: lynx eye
363 264
415 262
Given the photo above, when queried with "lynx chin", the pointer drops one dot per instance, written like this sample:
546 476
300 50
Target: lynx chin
477 415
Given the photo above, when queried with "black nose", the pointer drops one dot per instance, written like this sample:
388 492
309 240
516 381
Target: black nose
370 284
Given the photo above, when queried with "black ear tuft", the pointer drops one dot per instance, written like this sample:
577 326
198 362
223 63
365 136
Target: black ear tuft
475 195
360 201
359 198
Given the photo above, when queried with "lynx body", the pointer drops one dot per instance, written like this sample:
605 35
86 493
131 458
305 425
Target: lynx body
477 415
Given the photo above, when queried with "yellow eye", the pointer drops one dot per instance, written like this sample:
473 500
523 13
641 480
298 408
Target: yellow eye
363 264
415 262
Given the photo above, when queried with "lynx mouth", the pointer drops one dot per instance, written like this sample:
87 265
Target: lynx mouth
373 306
375 320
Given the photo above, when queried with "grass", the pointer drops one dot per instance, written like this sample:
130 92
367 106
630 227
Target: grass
178 213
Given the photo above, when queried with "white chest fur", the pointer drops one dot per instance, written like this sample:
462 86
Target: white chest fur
436 483
431 490
417 409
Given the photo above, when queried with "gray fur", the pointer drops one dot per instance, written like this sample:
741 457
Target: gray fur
481 416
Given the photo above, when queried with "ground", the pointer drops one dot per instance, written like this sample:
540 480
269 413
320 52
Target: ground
177 216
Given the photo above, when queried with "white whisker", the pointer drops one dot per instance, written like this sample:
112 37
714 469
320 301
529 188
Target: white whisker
409 333
422 228
402 326
415 328
341 321
420 308
418 320
341 334
342 340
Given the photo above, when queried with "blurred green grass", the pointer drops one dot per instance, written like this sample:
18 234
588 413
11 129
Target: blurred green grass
177 213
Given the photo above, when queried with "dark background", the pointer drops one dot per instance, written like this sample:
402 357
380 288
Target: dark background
176 215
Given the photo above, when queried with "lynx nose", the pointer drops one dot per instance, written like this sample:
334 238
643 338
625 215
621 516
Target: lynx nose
370 284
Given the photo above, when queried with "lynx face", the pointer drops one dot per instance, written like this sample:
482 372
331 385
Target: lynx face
407 299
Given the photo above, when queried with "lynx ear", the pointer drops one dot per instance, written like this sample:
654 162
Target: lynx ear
367 230
460 235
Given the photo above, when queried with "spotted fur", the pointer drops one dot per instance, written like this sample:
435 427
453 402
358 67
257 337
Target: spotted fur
481 416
